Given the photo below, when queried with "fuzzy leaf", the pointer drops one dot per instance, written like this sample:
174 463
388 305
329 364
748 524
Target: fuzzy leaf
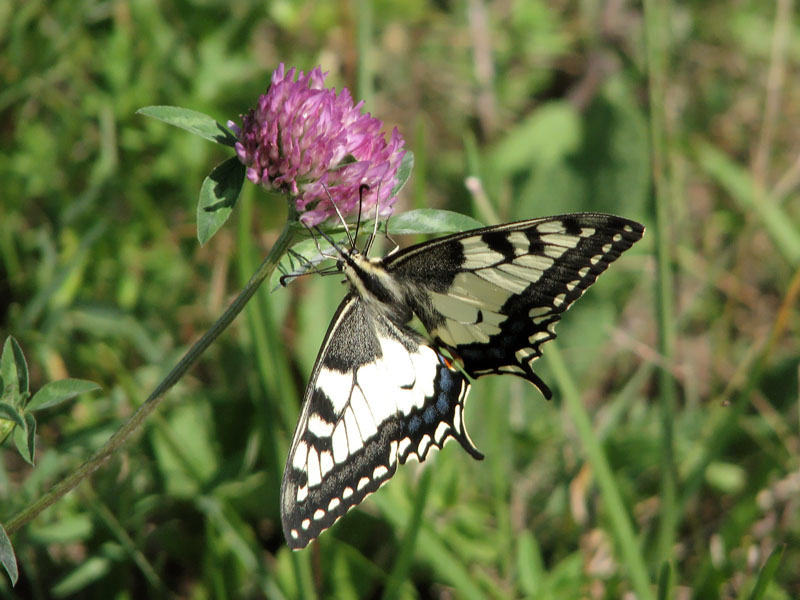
550 133
191 120
7 557
57 392
25 438
9 413
14 371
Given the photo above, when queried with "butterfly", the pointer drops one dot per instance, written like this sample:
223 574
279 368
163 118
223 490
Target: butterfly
381 392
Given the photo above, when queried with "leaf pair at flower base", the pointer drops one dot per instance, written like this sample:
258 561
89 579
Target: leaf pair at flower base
221 188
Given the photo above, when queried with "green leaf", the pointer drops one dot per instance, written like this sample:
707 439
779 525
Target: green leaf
7 557
191 120
529 564
546 137
403 172
184 451
14 371
6 427
8 412
218 196
67 529
665 581
60 391
25 438
767 572
727 477
88 572
608 170
431 220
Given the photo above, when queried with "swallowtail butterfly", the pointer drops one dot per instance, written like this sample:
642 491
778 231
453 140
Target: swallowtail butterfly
381 392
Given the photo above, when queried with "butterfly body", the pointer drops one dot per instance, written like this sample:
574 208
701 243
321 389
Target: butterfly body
381 392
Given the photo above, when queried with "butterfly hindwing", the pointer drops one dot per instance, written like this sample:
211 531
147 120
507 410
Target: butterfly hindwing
378 396
493 296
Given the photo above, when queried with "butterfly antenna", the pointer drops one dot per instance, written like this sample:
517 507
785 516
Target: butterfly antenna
341 218
330 241
374 234
391 239
361 190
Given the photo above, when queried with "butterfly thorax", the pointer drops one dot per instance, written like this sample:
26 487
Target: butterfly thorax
376 286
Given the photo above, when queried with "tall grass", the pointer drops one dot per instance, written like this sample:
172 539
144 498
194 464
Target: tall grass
666 464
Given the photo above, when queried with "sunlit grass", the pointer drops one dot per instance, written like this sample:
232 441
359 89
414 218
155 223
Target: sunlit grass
101 278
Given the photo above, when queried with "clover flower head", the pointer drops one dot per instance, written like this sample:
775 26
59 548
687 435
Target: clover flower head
316 146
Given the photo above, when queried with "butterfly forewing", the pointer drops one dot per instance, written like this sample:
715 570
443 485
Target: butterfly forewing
492 296
378 396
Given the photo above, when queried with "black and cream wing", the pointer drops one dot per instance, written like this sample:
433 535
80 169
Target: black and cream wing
493 296
378 396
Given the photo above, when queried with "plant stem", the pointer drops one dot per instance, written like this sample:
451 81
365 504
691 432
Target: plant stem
656 14
137 418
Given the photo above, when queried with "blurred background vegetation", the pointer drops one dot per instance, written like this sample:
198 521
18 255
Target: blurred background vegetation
687 367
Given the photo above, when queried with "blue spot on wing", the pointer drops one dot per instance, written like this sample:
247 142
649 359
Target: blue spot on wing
446 377
414 423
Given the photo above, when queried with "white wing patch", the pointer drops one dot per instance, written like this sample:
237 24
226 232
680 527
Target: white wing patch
337 387
319 427
479 255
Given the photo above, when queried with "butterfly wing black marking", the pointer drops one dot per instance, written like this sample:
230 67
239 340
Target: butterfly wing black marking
378 396
493 296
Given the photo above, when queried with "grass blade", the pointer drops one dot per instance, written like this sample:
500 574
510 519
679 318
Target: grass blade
767 573
617 511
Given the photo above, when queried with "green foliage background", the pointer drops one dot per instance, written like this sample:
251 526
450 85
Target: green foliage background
547 104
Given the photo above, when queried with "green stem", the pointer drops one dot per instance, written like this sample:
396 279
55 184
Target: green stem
364 70
656 14
137 418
